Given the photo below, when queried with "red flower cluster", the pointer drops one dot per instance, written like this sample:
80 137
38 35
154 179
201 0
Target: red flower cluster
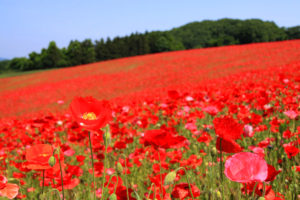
162 138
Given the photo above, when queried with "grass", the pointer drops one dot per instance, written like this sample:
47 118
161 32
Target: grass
8 74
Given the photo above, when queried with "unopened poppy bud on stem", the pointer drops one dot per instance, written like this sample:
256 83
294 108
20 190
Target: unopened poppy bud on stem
170 177
219 194
52 161
214 151
107 136
113 197
119 168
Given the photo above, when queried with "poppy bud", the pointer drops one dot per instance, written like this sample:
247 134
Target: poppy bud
107 138
119 168
43 196
279 137
113 197
52 161
13 180
214 151
194 146
170 177
261 198
219 194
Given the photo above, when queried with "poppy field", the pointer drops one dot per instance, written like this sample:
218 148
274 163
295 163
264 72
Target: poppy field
216 123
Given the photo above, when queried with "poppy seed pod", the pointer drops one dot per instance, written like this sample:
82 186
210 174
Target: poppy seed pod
170 177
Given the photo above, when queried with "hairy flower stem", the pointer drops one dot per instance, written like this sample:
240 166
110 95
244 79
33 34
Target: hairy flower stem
221 168
61 177
264 189
150 191
221 161
104 167
188 180
57 193
92 157
161 182
43 181
115 188
253 192
126 181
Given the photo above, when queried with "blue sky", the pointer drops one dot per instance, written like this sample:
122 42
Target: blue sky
29 25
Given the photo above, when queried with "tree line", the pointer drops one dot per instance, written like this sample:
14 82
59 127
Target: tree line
207 33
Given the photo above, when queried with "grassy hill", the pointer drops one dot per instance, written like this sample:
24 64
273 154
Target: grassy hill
133 79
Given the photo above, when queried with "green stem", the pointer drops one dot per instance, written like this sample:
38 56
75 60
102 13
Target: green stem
221 168
187 178
104 166
126 180
61 177
92 157
151 191
253 192
57 192
43 181
221 161
294 125
161 182
116 185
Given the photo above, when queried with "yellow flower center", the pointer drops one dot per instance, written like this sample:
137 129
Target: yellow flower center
89 116
44 154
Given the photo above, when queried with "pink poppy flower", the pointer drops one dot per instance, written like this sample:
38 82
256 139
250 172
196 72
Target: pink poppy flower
291 114
246 167
248 131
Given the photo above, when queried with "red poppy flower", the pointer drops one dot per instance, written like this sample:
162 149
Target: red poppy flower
8 190
246 167
37 156
91 113
269 193
290 150
228 146
182 191
163 139
272 173
227 128
173 94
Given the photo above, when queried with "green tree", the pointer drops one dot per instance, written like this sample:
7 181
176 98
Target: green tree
160 42
4 65
52 57
20 64
87 52
293 32
74 53
36 61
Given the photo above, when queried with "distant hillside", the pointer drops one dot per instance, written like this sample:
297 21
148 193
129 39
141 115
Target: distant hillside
3 59
222 32
207 33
